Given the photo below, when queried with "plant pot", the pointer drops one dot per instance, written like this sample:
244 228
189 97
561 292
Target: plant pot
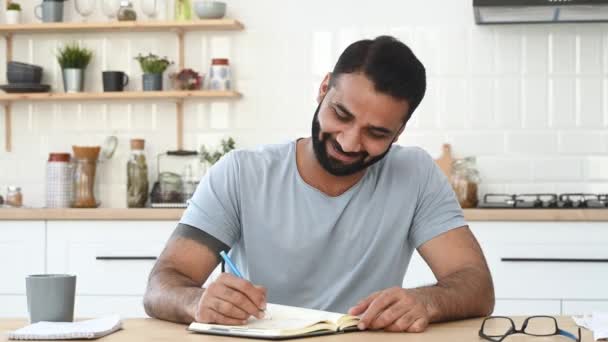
73 80
152 82
13 17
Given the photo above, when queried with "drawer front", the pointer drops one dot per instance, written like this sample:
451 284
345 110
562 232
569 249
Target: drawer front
580 307
548 271
516 307
108 258
22 251
537 260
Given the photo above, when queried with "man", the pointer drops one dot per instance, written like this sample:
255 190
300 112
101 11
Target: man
330 222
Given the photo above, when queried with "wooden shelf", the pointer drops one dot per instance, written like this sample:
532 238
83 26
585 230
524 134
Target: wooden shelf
173 95
178 27
127 26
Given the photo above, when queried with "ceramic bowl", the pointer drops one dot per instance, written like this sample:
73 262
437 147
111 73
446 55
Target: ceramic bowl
210 9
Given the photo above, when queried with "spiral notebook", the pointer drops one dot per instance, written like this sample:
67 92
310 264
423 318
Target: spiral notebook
89 329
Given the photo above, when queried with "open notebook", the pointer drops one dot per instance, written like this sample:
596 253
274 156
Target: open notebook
284 322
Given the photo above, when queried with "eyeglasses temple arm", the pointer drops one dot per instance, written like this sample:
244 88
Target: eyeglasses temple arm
569 334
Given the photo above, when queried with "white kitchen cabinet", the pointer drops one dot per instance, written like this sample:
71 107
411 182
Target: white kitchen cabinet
13 306
526 262
22 252
111 259
579 307
519 307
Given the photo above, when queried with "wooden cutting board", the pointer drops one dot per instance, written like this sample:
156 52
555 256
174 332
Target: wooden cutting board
445 160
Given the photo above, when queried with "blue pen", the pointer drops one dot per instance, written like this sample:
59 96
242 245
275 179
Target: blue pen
231 265
236 272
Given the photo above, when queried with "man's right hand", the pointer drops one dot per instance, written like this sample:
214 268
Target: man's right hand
231 301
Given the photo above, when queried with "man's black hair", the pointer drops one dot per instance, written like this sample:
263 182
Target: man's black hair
389 64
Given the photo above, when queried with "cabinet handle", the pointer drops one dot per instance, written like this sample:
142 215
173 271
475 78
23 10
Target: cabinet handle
125 258
552 260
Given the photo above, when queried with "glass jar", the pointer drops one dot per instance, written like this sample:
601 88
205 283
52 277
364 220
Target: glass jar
137 176
219 74
465 180
14 197
59 181
183 10
126 11
84 183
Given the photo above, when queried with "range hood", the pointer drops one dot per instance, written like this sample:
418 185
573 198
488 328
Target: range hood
539 11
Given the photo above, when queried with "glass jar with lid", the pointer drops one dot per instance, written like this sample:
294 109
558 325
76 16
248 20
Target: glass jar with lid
465 180
137 176
14 197
126 11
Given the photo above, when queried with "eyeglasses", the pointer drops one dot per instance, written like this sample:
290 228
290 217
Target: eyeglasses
497 328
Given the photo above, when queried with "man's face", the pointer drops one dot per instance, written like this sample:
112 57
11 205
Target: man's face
354 126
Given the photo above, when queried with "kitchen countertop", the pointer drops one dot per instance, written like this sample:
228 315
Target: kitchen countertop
175 214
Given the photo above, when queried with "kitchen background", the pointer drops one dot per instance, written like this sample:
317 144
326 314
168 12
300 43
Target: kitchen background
529 101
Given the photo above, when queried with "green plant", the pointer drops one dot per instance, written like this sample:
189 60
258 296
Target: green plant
13 6
73 56
153 64
212 157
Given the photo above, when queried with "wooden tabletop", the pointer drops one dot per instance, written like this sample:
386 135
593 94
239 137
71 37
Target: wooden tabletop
175 214
151 330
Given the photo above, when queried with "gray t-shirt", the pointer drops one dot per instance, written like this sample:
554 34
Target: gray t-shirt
313 250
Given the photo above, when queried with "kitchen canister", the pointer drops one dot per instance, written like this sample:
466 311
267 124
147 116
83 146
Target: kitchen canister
59 181
219 74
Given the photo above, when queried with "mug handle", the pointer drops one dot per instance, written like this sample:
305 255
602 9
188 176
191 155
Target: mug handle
36 13
126 80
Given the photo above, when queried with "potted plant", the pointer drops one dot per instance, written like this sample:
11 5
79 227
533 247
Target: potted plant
73 61
13 13
211 157
186 79
153 67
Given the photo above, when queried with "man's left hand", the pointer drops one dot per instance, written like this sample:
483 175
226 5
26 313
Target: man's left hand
394 309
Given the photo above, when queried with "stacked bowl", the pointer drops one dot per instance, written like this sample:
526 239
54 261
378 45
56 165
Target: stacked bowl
23 78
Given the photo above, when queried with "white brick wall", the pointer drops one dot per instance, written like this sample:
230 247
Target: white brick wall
530 101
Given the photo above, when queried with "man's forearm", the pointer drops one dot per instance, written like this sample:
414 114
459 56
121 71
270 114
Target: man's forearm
172 296
463 294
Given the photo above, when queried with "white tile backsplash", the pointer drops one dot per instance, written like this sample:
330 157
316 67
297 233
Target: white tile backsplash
562 102
582 143
532 143
530 101
589 102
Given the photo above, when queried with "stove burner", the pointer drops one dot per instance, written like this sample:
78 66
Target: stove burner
545 201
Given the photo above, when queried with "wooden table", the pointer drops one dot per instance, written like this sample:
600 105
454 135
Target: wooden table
151 330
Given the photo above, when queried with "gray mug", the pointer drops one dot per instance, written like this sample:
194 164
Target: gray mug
50 297
52 11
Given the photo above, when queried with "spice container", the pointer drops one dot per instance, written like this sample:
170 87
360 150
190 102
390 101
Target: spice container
137 176
14 197
85 166
126 11
59 181
219 74
465 179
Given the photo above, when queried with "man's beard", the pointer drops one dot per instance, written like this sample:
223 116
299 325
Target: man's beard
333 165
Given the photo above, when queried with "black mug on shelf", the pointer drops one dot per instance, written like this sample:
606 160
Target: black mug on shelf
114 80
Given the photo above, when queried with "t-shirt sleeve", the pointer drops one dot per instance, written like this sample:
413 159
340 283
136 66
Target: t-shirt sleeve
215 206
437 209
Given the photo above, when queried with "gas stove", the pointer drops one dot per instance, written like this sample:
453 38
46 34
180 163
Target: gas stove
545 201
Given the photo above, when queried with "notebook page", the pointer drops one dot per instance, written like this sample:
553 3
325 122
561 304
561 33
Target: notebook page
283 317
68 330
